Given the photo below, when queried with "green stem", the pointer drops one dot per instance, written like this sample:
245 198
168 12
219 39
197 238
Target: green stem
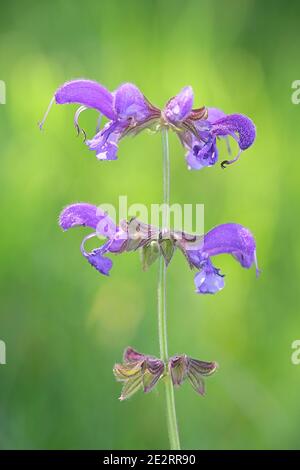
162 305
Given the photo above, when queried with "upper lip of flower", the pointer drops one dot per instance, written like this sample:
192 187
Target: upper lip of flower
229 238
179 113
129 112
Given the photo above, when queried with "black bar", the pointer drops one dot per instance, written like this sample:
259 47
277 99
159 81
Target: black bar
135 458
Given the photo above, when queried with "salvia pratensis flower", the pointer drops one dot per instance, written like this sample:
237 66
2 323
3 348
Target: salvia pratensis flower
198 130
138 371
128 112
233 239
182 367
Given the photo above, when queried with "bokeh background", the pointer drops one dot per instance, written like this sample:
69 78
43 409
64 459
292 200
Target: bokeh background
64 325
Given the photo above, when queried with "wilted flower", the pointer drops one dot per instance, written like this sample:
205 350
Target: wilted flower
138 371
129 112
231 238
182 367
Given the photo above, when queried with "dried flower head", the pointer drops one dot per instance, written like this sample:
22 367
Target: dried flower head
183 367
138 371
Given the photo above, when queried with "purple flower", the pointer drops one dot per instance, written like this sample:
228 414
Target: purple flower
87 215
138 371
233 239
198 129
182 367
129 236
129 112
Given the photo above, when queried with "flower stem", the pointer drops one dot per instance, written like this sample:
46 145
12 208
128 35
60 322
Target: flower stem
162 305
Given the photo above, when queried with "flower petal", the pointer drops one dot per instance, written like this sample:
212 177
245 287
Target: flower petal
236 123
208 280
233 239
87 215
192 161
119 243
214 114
129 102
99 262
80 214
105 142
202 155
179 107
87 93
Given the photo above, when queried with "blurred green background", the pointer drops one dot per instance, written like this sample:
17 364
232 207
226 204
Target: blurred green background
64 325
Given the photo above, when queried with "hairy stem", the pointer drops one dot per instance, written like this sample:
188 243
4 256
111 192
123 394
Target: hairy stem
162 305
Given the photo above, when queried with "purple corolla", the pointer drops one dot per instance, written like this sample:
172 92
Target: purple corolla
128 112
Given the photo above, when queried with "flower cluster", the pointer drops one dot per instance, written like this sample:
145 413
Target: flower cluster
233 239
140 371
128 112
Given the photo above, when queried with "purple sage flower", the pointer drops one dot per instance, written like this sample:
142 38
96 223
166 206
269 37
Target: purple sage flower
198 129
233 239
87 215
138 371
182 367
128 112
